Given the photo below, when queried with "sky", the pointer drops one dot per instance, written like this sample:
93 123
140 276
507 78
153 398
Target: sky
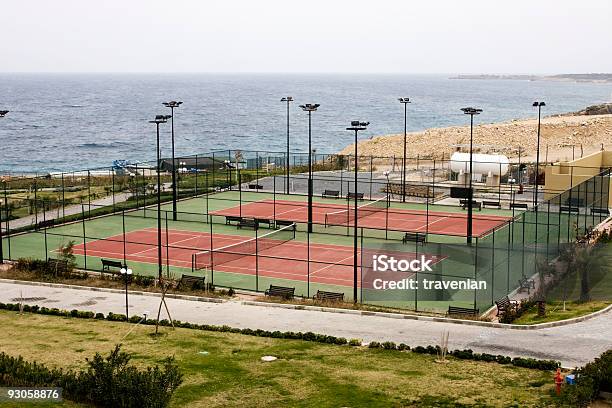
317 36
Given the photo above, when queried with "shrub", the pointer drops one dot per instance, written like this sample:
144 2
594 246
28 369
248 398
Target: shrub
402 347
374 344
354 342
591 379
389 345
107 382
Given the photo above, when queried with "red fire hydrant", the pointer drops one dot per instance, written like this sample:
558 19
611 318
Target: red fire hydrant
558 380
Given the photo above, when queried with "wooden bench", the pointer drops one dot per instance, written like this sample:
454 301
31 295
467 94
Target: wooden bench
528 284
475 204
284 223
57 265
604 211
569 209
232 218
109 263
351 196
462 311
518 205
328 296
331 194
46 224
191 281
280 291
504 304
266 221
255 187
248 223
496 204
417 237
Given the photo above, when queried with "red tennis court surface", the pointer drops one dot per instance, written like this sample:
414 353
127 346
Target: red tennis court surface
329 264
396 219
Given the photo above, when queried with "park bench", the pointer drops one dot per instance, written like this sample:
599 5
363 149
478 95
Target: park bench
351 196
496 204
284 223
331 194
603 211
266 221
190 281
46 224
280 291
475 204
574 202
417 237
525 283
462 311
328 296
109 263
255 187
505 304
569 209
518 205
57 265
248 223
232 218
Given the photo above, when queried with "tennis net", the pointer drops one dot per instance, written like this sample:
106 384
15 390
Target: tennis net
344 217
211 258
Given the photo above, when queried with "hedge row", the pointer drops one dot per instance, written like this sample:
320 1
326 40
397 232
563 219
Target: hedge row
546 365
106 382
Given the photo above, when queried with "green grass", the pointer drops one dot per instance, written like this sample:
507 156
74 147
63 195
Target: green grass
306 375
555 311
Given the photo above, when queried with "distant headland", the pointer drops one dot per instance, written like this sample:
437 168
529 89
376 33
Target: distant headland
600 78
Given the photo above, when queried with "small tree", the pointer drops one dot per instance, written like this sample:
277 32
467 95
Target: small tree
66 252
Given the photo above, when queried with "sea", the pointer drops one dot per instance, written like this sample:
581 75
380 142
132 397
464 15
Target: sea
67 122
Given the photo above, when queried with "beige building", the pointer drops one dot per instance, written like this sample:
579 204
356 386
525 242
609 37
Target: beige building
562 176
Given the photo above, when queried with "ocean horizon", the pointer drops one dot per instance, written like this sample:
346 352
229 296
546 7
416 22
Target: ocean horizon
67 121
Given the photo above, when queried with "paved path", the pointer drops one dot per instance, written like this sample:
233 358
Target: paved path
573 344
69 210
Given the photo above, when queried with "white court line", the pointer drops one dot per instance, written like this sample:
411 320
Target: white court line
339 263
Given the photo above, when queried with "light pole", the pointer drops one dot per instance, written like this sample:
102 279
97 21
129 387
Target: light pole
356 126
287 99
159 119
535 195
405 101
310 107
126 273
172 105
470 111
537 173
2 114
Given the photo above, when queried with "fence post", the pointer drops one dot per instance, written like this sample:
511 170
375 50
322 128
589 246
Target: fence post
88 193
207 192
84 236
113 187
7 223
63 197
197 173
45 232
371 171
256 261
124 245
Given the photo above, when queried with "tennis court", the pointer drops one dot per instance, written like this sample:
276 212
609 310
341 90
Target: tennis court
274 255
374 215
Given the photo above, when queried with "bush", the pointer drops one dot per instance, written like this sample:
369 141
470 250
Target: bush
107 382
354 342
374 344
591 379
389 345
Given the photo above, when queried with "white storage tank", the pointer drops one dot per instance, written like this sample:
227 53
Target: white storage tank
487 164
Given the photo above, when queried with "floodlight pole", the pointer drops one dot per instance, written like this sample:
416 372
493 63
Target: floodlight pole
2 114
405 101
470 111
172 105
310 107
159 119
535 195
356 126
535 191
287 99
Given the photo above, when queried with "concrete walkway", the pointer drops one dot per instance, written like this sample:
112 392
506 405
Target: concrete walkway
573 345
69 210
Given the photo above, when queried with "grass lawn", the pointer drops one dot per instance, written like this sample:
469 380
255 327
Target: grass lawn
555 312
306 375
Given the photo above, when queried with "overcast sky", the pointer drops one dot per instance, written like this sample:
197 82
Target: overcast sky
373 36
